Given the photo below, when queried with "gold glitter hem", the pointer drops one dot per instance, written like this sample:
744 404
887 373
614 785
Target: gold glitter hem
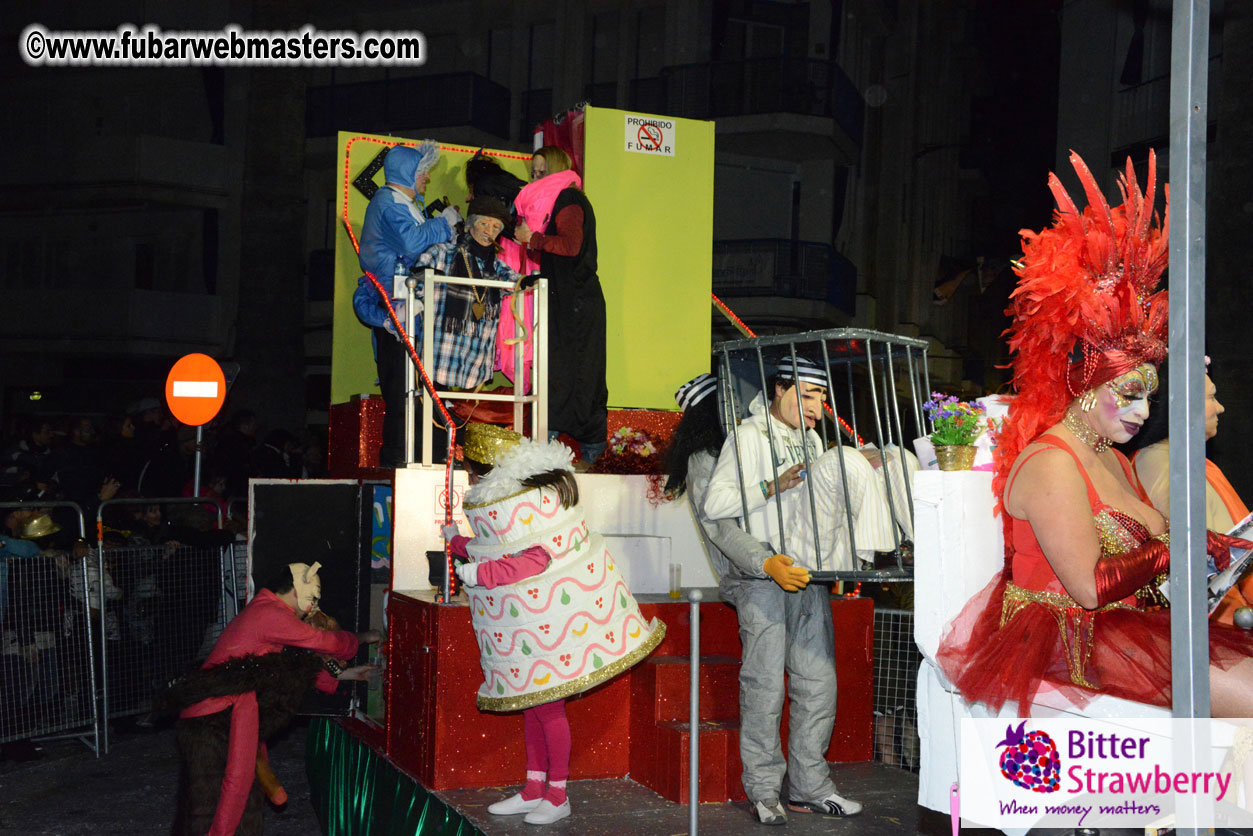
1074 623
583 683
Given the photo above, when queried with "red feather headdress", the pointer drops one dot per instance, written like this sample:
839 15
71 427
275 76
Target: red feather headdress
1085 310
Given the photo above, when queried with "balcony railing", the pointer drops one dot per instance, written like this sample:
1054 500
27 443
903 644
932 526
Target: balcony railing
755 86
1142 112
399 104
790 269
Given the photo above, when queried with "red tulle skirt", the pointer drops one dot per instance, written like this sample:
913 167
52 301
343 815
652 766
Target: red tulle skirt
1128 655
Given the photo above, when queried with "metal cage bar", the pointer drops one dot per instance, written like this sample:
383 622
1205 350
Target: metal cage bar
747 363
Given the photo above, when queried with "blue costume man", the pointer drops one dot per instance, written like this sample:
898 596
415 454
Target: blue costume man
395 232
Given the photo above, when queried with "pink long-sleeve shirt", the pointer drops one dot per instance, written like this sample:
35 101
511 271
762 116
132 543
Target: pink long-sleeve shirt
504 570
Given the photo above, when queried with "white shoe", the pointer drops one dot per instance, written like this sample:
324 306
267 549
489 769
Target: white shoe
547 812
769 813
832 805
514 805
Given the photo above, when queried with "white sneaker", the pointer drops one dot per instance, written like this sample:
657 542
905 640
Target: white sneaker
514 805
547 812
772 814
832 805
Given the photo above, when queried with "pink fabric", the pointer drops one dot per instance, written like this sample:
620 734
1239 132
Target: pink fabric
547 733
508 330
567 134
535 202
516 256
534 786
241 765
517 567
457 545
267 625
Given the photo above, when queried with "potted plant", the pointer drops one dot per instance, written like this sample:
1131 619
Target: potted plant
955 426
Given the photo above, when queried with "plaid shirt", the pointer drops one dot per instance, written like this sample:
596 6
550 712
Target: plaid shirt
465 347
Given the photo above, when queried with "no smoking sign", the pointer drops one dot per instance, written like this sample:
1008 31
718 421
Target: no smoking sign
649 135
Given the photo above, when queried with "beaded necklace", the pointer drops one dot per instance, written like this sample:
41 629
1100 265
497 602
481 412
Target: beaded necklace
1086 434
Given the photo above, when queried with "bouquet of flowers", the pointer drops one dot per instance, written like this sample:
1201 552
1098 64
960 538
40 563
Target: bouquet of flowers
630 451
954 422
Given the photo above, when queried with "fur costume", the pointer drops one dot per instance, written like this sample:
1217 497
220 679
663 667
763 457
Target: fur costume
280 681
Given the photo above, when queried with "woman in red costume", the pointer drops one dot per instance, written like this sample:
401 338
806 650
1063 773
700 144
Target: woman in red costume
1076 604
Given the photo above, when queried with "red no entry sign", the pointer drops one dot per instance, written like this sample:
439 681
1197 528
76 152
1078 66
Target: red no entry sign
195 389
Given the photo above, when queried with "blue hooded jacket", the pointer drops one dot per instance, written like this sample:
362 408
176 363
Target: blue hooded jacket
395 231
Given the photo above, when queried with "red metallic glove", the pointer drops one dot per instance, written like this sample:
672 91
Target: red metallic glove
1219 546
1117 576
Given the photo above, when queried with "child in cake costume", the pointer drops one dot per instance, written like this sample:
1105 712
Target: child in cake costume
551 611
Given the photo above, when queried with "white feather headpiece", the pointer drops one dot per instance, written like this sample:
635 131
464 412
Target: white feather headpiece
525 459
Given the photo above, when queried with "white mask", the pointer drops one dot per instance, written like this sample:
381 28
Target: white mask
308 586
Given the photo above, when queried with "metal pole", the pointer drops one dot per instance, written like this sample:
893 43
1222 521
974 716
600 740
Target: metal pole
926 374
411 374
693 764
1189 639
839 454
1189 636
913 391
195 485
780 546
852 402
908 499
539 361
879 420
104 638
733 430
800 417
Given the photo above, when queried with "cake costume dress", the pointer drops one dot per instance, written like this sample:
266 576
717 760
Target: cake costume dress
563 631
1024 629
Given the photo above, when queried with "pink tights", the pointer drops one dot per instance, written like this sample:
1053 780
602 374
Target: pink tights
547 733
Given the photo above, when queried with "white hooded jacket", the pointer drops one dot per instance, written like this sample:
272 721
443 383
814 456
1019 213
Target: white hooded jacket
756 434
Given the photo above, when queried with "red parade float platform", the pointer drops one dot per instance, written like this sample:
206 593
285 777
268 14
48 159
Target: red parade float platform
635 725
413 763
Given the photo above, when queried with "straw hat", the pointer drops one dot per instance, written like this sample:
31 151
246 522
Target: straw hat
40 525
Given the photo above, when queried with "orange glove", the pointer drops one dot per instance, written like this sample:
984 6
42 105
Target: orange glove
790 578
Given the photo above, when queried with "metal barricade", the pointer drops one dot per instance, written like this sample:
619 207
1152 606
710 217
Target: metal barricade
883 379
896 661
47 668
158 608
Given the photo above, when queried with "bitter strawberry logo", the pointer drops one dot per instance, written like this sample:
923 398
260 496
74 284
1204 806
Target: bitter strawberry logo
1030 759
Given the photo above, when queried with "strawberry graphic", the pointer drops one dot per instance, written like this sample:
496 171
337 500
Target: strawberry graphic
1030 759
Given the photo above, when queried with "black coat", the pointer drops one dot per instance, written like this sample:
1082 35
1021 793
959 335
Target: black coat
577 394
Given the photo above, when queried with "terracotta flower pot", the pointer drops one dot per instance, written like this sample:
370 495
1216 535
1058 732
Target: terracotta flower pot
955 456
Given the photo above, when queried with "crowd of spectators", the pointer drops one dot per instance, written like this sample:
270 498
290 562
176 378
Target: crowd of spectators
144 453
160 580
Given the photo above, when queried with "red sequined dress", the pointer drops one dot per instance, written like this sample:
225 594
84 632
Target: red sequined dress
1023 628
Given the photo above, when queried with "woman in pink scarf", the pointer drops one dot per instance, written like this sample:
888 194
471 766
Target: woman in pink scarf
565 252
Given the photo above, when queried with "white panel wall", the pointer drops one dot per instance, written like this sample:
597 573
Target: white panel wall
644 538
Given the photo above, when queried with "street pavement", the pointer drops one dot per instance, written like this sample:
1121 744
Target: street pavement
68 791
